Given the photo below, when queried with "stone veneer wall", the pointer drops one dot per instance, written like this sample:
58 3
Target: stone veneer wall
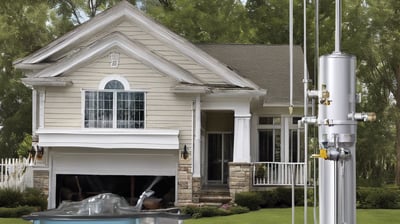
41 180
184 184
239 178
196 189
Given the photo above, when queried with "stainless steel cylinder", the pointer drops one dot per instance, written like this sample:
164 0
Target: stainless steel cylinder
336 131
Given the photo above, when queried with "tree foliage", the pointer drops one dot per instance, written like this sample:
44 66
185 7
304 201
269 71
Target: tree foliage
216 21
22 30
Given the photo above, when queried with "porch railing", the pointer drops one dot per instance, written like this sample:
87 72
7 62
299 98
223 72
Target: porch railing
16 173
278 173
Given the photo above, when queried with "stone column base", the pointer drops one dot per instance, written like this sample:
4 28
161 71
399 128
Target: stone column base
239 178
196 188
184 184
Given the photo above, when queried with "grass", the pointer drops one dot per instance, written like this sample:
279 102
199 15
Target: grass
277 215
13 221
284 215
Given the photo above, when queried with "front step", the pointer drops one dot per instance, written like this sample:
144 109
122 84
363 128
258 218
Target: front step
215 195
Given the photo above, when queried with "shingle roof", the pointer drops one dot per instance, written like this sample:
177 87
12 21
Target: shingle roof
265 65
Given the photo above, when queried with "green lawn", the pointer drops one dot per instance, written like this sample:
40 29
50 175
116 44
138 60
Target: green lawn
370 216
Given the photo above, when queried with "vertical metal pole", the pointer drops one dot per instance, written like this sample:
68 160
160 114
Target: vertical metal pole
291 55
291 88
305 82
338 22
316 61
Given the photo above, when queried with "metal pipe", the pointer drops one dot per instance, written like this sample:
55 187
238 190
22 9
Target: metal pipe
291 56
291 87
338 22
305 82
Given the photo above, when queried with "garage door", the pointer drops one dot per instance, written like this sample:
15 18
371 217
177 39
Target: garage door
115 162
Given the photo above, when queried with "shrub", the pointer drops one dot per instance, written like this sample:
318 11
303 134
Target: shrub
378 198
210 211
34 197
17 211
269 199
10 198
206 211
238 210
251 200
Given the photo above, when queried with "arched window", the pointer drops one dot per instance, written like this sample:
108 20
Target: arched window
114 84
114 106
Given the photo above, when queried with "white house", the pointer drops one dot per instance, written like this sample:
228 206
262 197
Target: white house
121 100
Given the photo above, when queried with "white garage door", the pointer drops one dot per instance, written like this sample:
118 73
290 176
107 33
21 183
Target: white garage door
110 162
161 163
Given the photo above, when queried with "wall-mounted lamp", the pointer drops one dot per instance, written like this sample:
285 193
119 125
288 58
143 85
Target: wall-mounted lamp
37 151
184 152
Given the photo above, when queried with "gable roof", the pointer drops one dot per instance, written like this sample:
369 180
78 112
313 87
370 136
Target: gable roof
132 48
114 15
266 65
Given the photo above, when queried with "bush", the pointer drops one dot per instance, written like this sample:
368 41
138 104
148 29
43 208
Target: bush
34 197
251 200
384 198
10 198
210 211
238 210
269 199
17 211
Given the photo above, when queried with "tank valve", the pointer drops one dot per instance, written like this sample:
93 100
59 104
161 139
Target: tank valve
325 96
322 154
370 116
333 154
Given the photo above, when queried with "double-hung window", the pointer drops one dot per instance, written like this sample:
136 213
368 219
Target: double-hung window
114 107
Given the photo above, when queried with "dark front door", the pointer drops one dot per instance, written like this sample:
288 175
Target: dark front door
220 152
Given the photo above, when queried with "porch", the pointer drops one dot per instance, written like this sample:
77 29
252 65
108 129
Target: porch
278 173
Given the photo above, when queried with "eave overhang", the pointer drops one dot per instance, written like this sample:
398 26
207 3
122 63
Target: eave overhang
110 138
50 81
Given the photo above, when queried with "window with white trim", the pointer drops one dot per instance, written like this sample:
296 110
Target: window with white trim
114 107
279 140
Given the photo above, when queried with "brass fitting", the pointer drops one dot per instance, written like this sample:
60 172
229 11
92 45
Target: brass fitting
323 154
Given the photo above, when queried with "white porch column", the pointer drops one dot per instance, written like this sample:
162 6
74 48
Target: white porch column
197 147
241 145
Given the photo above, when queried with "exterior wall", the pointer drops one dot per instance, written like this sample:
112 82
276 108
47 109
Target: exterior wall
164 109
41 180
63 106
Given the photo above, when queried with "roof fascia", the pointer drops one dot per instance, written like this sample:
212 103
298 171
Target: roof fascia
127 46
53 82
124 9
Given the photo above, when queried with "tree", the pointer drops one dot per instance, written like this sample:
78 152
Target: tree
216 21
22 30
79 11
382 62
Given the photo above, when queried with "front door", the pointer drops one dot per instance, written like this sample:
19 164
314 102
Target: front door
220 152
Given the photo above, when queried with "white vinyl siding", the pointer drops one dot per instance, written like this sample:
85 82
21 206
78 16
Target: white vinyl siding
164 109
136 33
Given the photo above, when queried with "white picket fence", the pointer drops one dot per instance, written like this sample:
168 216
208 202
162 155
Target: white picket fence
16 173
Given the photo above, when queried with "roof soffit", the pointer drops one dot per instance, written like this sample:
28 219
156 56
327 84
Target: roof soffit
125 10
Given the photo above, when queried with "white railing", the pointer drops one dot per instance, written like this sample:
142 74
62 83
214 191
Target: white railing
16 173
278 173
